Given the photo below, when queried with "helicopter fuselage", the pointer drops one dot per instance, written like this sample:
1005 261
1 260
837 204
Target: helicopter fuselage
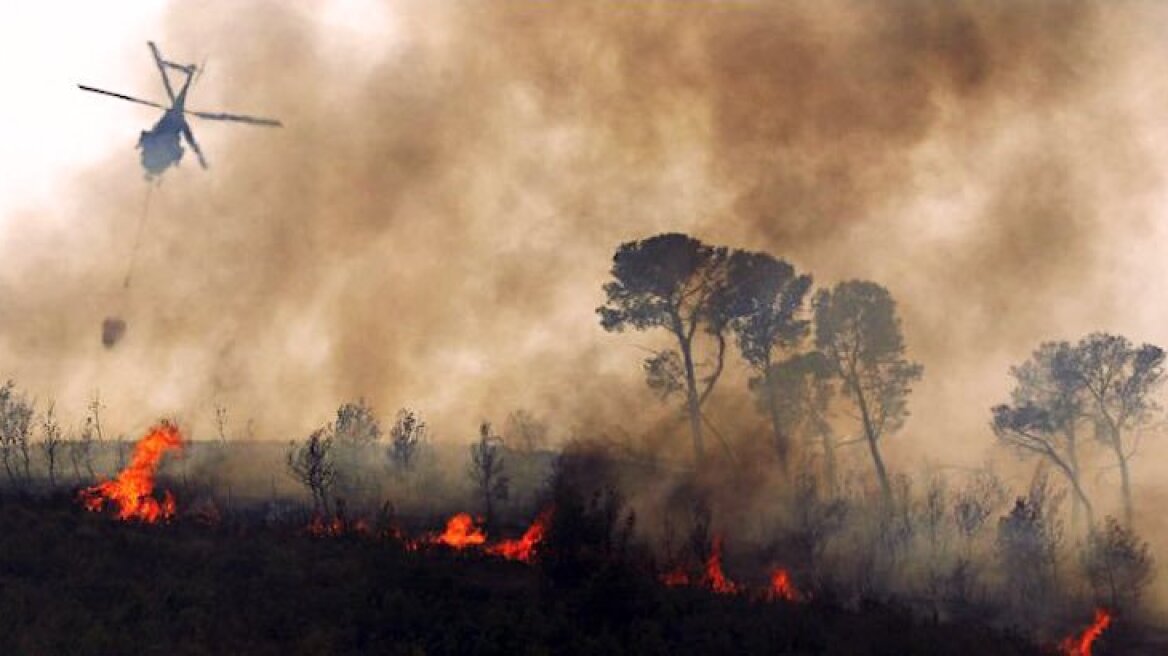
160 145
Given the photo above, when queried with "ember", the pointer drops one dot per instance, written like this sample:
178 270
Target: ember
781 586
1080 645
675 577
320 527
131 491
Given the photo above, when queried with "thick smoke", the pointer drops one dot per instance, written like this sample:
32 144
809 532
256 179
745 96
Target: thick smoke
433 225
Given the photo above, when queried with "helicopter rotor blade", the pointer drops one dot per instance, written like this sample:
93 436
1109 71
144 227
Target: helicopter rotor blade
120 95
161 69
199 71
190 137
252 120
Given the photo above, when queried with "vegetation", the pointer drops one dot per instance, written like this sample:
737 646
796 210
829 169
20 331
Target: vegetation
636 554
77 583
857 329
487 472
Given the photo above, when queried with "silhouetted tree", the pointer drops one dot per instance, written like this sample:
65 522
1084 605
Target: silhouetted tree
523 430
1119 379
51 441
93 429
95 407
487 471
798 391
406 436
765 297
311 464
857 329
675 282
982 496
355 433
80 451
16 414
1028 543
356 425
1118 564
221 422
1046 409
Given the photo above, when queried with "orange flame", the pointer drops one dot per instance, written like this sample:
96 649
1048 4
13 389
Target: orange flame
131 491
782 587
461 532
1081 645
715 577
320 527
524 548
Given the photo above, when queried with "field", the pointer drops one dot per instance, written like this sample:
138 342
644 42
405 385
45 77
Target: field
79 583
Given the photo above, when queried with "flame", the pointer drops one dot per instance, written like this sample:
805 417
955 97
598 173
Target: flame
131 490
1081 645
461 532
524 548
715 578
782 587
675 577
320 527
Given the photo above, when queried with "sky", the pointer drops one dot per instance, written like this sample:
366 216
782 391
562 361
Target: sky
50 131
433 225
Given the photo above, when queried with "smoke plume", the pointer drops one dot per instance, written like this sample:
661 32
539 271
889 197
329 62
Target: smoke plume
433 225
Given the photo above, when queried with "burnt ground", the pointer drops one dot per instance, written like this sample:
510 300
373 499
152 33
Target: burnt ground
79 583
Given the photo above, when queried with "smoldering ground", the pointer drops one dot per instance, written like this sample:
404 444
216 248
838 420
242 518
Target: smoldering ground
433 225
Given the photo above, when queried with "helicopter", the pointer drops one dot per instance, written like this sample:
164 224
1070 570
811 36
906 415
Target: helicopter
161 145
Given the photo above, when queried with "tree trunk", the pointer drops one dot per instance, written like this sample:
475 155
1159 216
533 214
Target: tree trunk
1125 482
490 514
782 444
874 448
692 404
829 464
1079 500
7 455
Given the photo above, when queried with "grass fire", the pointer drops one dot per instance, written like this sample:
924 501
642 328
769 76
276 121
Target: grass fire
131 491
791 328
